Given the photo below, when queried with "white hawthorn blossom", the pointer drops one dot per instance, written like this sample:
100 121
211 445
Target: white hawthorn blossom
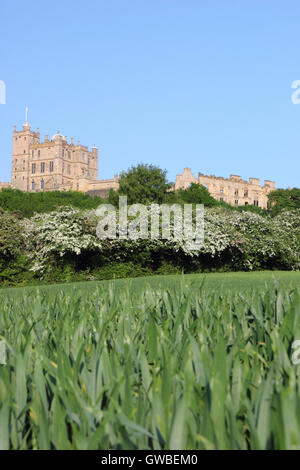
252 241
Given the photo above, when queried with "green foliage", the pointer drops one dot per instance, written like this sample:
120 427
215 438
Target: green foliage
252 208
27 204
194 194
11 236
149 366
14 265
141 184
288 199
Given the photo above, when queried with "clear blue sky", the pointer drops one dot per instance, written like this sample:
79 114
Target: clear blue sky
198 83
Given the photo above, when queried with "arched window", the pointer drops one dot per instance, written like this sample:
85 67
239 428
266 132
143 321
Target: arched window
33 185
42 184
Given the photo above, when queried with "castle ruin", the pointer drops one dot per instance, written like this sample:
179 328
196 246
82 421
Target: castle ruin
233 190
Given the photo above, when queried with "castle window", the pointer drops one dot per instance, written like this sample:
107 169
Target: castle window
42 167
33 185
39 153
246 203
42 184
33 168
246 193
32 153
89 161
236 202
236 192
69 170
24 151
255 203
69 155
221 190
63 152
51 167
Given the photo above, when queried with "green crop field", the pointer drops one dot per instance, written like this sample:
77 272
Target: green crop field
170 362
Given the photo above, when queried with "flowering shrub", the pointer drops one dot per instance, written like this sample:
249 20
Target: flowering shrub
56 234
242 240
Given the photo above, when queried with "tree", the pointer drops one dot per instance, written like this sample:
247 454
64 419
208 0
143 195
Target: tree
142 184
284 199
196 194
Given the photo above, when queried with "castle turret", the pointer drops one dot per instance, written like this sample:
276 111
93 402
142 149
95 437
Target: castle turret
21 156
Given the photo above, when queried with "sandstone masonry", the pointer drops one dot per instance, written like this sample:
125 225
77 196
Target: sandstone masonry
55 164
233 190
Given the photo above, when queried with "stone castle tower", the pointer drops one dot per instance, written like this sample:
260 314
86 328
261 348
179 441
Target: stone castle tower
51 165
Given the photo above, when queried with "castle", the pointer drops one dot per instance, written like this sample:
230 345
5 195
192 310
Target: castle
233 190
57 164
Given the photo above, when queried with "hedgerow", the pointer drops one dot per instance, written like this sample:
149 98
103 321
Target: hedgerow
232 240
